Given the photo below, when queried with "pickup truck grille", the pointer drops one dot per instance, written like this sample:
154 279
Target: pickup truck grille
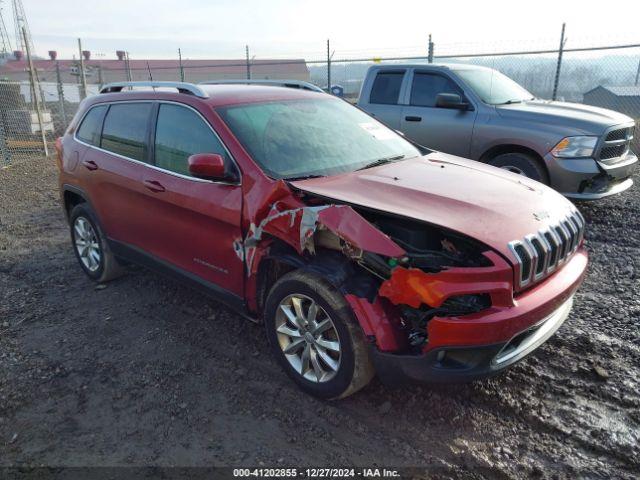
541 253
616 143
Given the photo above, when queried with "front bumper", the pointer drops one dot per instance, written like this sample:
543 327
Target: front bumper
588 179
463 364
482 344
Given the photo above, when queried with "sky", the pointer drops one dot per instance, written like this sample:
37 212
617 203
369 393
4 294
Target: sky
300 28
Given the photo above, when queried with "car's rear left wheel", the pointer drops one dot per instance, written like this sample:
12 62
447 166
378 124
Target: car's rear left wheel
90 246
314 336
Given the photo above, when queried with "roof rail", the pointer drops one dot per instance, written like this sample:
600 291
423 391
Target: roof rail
182 87
300 84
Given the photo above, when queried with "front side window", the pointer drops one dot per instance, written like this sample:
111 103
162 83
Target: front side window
386 87
180 133
308 137
125 130
427 86
89 131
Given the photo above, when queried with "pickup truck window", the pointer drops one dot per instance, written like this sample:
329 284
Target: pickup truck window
493 87
312 137
426 86
386 87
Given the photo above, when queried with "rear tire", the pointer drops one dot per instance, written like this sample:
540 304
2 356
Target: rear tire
315 337
522 164
90 246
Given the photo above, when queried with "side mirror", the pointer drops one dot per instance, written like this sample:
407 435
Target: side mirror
207 165
451 100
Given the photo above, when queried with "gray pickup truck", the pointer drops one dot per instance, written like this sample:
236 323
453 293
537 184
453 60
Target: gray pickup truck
475 112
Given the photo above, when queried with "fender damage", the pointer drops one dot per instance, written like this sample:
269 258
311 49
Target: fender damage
412 286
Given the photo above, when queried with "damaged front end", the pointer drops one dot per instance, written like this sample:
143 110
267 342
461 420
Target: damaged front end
400 276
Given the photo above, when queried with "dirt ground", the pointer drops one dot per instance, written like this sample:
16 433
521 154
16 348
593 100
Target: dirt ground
146 372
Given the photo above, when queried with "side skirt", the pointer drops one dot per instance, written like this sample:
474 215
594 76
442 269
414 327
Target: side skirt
140 257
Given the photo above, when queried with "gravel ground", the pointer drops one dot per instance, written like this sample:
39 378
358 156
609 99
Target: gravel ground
142 371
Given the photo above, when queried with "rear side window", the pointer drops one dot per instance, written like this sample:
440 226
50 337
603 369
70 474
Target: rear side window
427 86
180 133
386 87
125 130
89 131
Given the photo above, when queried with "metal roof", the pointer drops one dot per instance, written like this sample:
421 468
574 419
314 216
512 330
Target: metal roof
625 91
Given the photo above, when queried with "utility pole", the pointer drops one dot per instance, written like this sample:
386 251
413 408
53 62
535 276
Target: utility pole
248 63
83 78
430 51
328 67
181 68
557 79
61 94
128 66
34 78
637 74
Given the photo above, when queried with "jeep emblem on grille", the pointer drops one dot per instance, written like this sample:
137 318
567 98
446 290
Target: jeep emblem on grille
541 215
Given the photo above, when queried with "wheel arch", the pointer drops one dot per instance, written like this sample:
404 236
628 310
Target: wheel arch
331 265
72 196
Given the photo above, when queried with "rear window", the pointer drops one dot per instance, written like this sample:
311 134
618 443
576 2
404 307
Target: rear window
386 87
427 86
89 131
125 130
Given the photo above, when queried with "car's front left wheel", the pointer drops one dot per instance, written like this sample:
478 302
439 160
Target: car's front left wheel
315 337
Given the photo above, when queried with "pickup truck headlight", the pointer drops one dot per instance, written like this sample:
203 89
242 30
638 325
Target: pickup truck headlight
575 147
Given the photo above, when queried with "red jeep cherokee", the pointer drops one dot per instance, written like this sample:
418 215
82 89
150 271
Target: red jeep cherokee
361 252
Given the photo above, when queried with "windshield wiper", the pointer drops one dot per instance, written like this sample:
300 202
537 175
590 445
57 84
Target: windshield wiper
381 161
510 102
302 177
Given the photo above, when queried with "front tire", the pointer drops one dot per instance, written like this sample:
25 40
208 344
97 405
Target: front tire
90 246
315 337
522 164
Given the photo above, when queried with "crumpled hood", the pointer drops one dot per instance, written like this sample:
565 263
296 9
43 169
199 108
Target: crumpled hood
480 201
587 119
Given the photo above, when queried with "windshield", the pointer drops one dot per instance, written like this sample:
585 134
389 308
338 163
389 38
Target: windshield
313 137
493 87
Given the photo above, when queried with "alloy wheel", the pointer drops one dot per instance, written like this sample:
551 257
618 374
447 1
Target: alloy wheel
87 244
308 338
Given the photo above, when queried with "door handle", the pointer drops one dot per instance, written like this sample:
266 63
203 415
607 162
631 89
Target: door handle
153 186
90 164
411 118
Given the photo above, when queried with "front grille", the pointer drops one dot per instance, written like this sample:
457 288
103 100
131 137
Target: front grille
613 152
619 134
616 143
541 253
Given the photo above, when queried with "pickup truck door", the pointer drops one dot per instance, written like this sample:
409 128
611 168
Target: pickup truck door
443 129
384 97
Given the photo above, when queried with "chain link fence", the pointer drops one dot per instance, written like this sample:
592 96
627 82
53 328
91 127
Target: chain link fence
603 76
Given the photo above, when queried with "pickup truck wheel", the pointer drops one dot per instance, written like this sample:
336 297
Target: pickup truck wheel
522 164
315 338
90 246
